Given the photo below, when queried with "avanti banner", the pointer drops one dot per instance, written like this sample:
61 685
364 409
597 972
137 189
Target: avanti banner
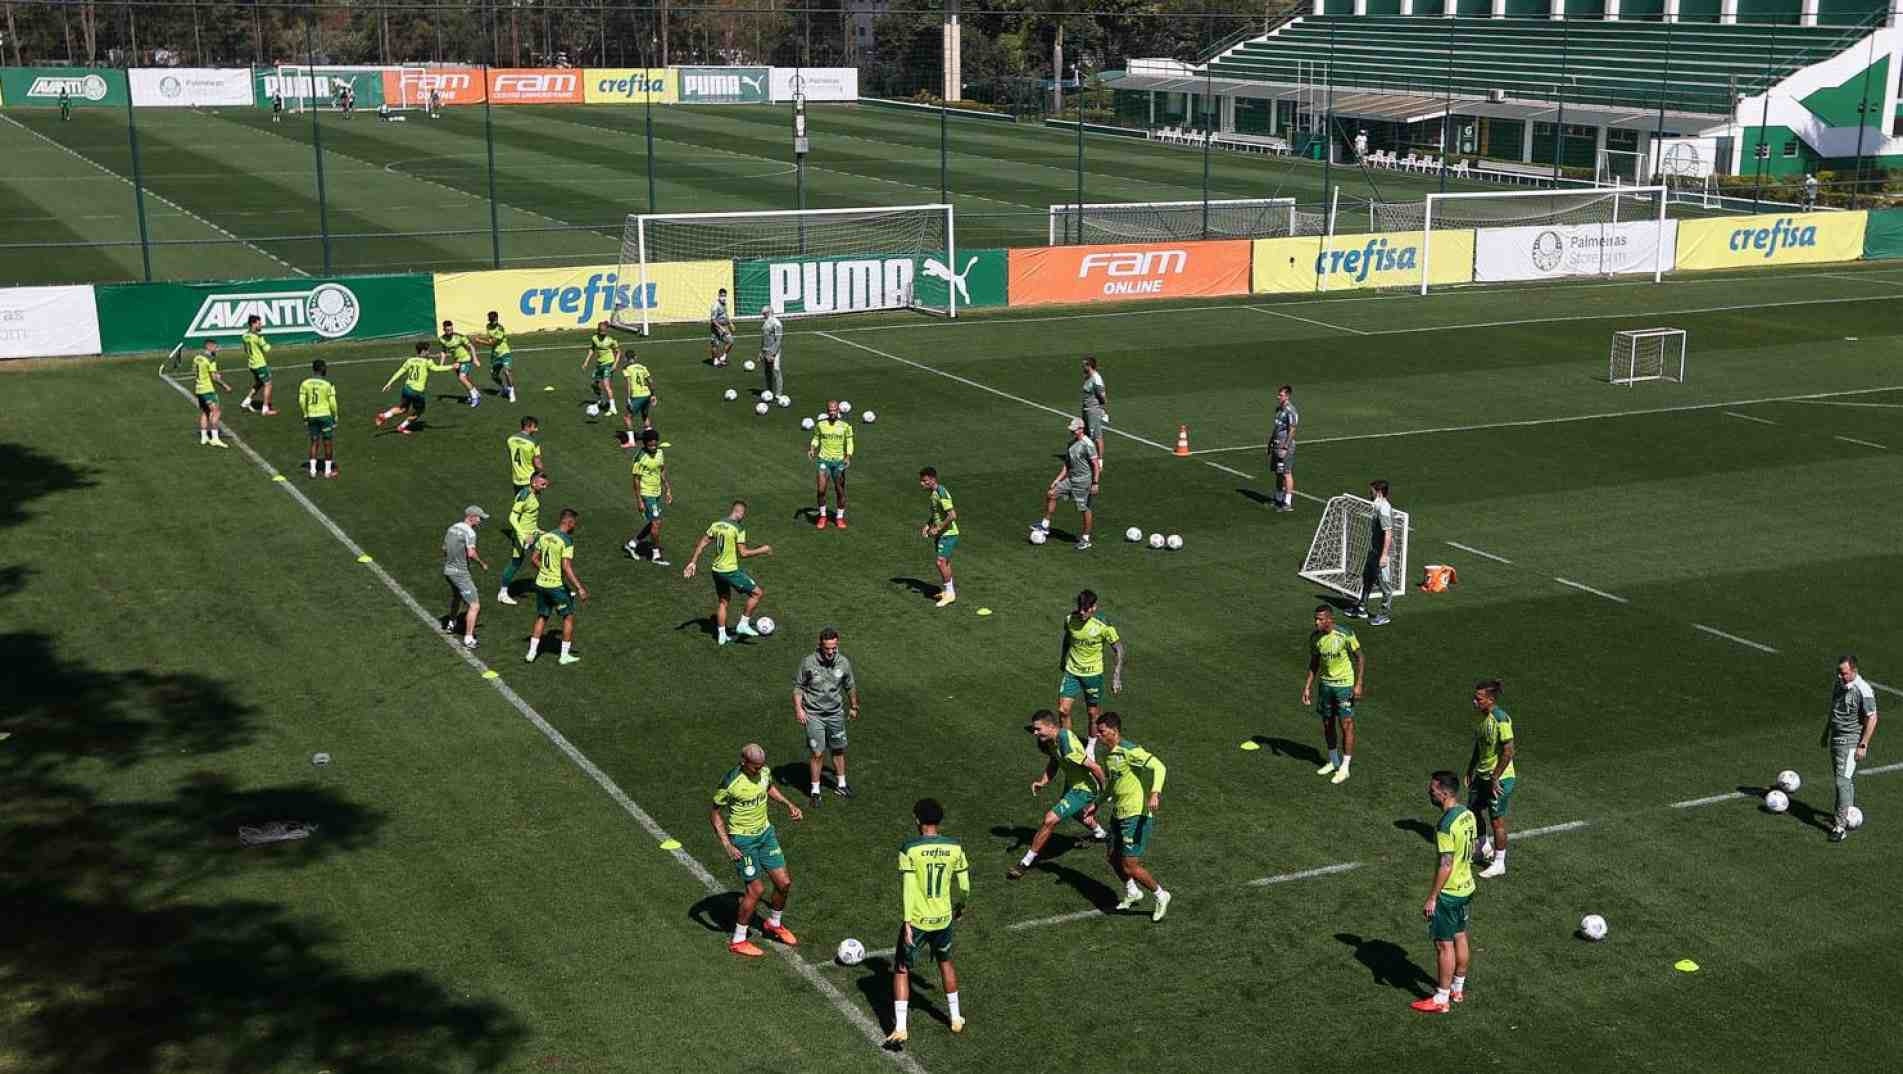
39 87
156 316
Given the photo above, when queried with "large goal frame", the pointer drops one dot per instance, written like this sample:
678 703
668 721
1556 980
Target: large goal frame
1335 556
1659 195
1063 217
1623 362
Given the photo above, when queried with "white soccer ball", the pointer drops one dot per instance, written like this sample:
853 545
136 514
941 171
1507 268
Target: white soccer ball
868 417
1134 534
322 759
761 408
1156 540
765 625
592 410
851 952
1777 801
1853 818
730 395
1174 541
766 396
807 423
1038 536
784 400
1788 782
1593 927
747 365
845 406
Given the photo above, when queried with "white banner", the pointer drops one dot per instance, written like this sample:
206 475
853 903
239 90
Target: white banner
38 322
190 87
1539 253
818 83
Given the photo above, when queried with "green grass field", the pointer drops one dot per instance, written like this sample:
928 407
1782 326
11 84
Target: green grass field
182 632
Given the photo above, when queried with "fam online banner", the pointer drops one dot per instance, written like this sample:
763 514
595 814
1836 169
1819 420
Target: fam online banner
1770 239
454 85
1352 262
534 300
628 85
1041 275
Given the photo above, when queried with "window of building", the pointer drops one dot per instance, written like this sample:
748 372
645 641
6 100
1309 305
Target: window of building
1790 148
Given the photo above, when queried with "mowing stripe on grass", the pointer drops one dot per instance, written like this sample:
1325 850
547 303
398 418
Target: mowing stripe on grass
1478 552
1273 312
1553 829
1595 592
1057 919
1305 874
1710 799
1747 642
1864 443
859 1019
1749 417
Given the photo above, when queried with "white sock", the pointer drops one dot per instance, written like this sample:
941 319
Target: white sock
1345 759
952 588
330 465
469 637
1460 984
1161 894
1029 857
535 646
565 646
743 622
204 436
840 782
1130 888
723 633
898 1014
839 513
313 467
1334 758
1440 995
951 1000
1047 522
1097 830
740 933
814 789
1500 859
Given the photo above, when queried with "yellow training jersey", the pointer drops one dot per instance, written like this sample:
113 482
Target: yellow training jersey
317 398
930 864
744 799
555 548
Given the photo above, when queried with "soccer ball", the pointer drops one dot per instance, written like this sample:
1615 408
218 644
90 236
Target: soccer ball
868 417
1156 540
730 395
766 396
807 423
1853 817
1133 534
784 400
761 408
1038 536
1593 927
1788 782
1777 801
747 365
1174 541
764 625
845 406
851 952
592 410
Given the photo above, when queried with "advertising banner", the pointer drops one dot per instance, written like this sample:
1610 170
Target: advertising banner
857 284
1352 262
318 86
1541 253
156 316
1770 239
457 85
535 85
817 83
627 85
1046 274
1883 236
40 322
39 87
724 85
190 87
532 300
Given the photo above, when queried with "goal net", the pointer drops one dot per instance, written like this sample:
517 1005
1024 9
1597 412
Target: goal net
1590 232
798 263
1171 221
321 86
1339 552
1643 354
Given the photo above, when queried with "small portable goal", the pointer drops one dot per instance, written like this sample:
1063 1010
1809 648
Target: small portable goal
1641 354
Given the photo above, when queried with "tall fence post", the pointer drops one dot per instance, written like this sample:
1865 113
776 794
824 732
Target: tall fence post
489 139
1863 119
1764 124
138 188
309 88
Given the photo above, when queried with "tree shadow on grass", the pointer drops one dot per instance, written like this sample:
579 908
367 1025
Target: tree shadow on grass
1389 964
1418 827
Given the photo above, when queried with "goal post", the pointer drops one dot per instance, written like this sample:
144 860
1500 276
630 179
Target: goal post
796 262
1642 354
1339 549
1170 221
1600 220
1620 167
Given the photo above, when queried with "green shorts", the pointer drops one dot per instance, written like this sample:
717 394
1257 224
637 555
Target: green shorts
464 369
651 508
603 372
1450 917
261 375
639 405
834 469
728 582
500 361
1335 702
414 400
826 732
553 601
1133 836
912 939
519 545
207 400
1073 803
1088 687
322 428
1481 799
947 544
758 854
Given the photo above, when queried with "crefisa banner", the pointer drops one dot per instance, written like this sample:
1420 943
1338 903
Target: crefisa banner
1540 253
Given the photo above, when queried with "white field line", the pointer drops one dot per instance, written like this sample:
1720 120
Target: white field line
1273 312
1305 874
1552 829
1710 799
1749 417
1056 919
1620 314
1478 552
155 196
853 1014
1833 402
1586 588
1863 278
1747 642
1881 769
1861 443
1886 689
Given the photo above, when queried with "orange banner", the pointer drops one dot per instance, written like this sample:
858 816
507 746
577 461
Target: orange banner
1044 274
456 85
535 85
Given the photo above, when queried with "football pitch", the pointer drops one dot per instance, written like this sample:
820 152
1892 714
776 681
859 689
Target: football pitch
1662 575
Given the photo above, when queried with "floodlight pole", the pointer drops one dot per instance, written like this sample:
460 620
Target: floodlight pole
317 132
1077 74
1764 125
138 190
489 137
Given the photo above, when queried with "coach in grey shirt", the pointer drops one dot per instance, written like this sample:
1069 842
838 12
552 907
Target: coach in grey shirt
459 549
1853 721
772 336
825 696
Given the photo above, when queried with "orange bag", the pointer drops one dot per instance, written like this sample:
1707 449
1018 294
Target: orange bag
1436 578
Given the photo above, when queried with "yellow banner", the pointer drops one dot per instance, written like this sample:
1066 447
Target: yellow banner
628 85
538 300
1349 262
1770 239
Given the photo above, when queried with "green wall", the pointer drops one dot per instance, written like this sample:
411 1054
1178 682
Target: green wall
1699 10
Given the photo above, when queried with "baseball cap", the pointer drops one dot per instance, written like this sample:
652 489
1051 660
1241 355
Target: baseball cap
472 509
1076 424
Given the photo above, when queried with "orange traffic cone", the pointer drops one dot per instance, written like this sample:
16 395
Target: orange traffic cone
1182 441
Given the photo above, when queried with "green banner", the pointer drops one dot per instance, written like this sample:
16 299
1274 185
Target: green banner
725 85
859 284
157 316
1883 235
39 87
317 86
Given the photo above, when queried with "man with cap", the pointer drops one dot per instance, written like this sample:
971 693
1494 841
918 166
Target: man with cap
459 550
1077 479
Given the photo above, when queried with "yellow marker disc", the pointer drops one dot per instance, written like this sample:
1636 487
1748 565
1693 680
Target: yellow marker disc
665 444
1685 965
491 674
1252 745
365 558
279 478
670 844
984 611
549 388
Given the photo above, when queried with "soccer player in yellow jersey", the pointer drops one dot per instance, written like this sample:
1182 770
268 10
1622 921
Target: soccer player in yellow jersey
831 448
1085 635
604 352
1335 654
317 401
525 454
461 355
556 587
204 376
1064 753
652 491
730 547
525 524
1447 898
1490 775
414 373
1124 762
501 356
942 530
929 866
257 358
641 399
746 833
